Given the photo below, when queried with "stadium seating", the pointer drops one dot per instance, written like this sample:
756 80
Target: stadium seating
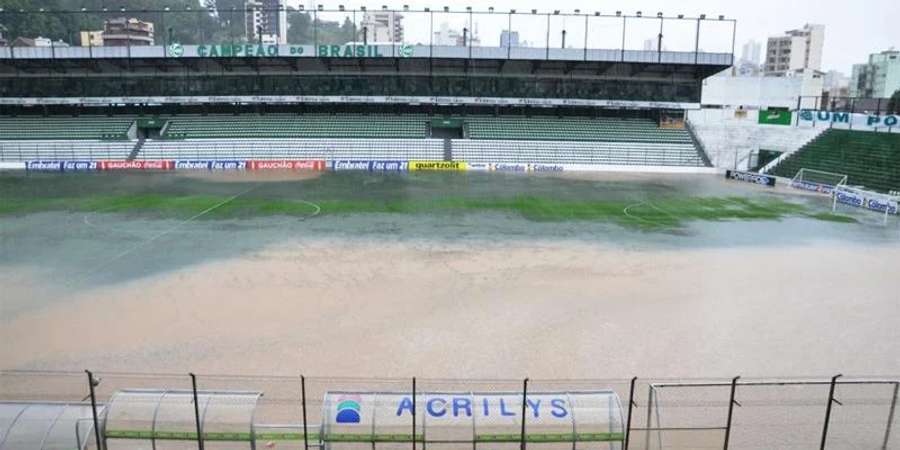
84 127
868 159
64 150
568 152
297 126
573 129
345 149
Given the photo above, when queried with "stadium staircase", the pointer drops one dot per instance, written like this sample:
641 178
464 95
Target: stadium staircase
698 144
448 150
868 159
137 149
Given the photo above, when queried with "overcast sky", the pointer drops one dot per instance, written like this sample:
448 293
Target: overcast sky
852 29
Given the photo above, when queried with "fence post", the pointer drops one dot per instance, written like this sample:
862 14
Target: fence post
887 431
524 400
414 413
649 425
303 402
91 384
731 404
630 405
196 411
828 410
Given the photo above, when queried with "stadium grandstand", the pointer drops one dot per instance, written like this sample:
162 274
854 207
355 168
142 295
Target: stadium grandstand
329 97
871 160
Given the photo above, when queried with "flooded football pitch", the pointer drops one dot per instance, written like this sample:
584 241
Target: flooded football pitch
259 273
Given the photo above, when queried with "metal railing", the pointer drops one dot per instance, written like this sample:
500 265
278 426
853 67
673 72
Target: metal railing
655 37
833 413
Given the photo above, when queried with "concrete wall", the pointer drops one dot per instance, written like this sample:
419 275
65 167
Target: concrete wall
730 138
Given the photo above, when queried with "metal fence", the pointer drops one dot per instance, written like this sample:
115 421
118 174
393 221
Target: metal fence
835 413
610 30
863 105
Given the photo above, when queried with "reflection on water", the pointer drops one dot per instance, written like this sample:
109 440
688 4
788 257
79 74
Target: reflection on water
80 248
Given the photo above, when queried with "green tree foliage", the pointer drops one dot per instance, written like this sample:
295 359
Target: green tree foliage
301 30
208 21
63 19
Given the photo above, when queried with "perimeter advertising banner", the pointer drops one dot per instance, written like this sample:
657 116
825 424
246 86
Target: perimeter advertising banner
44 166
370 166
775 117
316 165
750 177
864 199
438 166
813 187
210 165
136 165
856 121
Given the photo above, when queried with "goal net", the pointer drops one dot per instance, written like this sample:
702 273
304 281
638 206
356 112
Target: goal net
818 180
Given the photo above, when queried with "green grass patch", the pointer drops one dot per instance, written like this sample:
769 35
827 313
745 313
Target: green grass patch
662 212
831 217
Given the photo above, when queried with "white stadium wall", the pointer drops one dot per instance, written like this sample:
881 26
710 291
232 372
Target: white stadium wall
760 92
731 136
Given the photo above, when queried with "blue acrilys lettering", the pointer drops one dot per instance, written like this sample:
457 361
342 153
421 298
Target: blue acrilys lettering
430 407
558 408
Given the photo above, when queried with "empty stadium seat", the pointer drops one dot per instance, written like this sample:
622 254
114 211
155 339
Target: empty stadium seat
24 150
868 159
83 127
297 126
330 149
568 152
573 129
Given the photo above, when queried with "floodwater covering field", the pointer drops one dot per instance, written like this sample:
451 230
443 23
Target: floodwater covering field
443 275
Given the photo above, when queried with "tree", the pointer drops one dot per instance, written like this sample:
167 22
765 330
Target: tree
58 21
302 31
894 103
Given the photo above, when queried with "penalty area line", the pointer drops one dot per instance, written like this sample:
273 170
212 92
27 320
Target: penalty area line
169 231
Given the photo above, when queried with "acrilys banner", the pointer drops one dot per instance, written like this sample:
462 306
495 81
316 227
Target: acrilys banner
136 165
317 165
750 177
438 166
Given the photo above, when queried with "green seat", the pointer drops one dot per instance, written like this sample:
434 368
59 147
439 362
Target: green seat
868 159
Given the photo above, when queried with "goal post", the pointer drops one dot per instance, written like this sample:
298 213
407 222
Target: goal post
818 180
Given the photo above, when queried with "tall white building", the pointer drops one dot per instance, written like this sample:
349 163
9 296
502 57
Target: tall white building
836 84
509 38
381 26
879 78
796 51
751 52
266 21
450 37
